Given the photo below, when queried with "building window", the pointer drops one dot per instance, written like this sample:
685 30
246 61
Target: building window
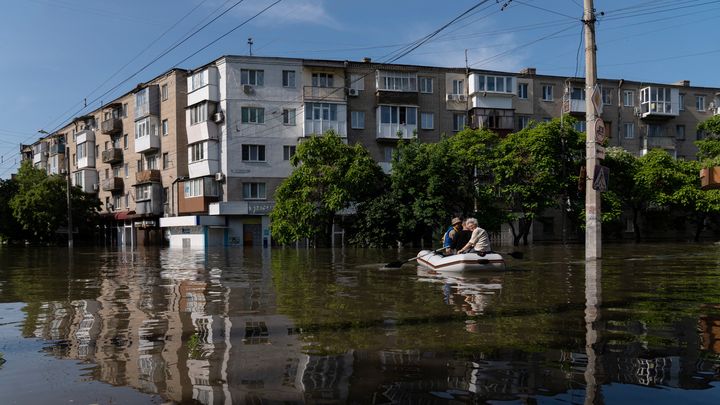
577 93
197 81
321 111
580 126
427 120
252 115
152 162
164 92
426 84
196 152
288 78
357 119
289 115
458 87
396 81
700 103
143 192
606 96
145 127
254 191
127 170
523 91
140 165
288 151
125 141
252 77
117 202
547 92
198 113
253 153
388 153
322 80
166 160
495 84
357 82
458 122
682 102
629 130
680 132
655 130
629 98
523 122
124 110
165 128
398 115
193 188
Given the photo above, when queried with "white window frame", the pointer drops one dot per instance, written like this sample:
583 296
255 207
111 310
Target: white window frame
700 103
322 79
629 130
165 127
629 98
394 114
523 122
458 86
523 90
426 84
252 115
254 191
193 188
495 84
321 112
357 82
289 151
253 77
459 119
681 100
143 192
680 132
288 116
357 119
606 95
196 152
198 80
253 153
288 78
427 120
164 92
547 92
198 113
396 81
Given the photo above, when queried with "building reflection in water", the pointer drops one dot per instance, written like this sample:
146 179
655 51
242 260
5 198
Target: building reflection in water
193 327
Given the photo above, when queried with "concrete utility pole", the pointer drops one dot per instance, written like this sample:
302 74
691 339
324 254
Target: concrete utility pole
593 102
69 186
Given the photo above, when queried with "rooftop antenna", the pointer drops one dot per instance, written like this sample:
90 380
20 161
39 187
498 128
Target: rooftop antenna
250 44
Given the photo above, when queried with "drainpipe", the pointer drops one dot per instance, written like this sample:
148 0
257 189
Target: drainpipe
619 110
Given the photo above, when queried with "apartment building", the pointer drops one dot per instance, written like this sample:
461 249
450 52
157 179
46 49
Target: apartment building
196 156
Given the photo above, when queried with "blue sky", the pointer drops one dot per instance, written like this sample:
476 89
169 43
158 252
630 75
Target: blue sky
54 54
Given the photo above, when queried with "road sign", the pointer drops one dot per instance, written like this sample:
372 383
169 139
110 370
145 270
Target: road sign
599 152
601 178
596 98
600 135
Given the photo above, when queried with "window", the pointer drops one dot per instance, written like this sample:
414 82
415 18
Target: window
357 81
253 153
117 202
580 126
682 102
388 153
398 115
253 77
127 170
165 128
252 115
523 122
140 165
322 80
547 92
125 141
197 81
523 90
166 160
289 115
577 93
193 188
164 92
606 96
700 103
629 130
629 98
655 130
124 110
288 78
396 81
288 151
198 113
458 122
458 87
145 127
141 100
152 163
165 194
427 120
426 84
357 119
321 111
107 173
254 191
680 131
81 150
143 192
196 152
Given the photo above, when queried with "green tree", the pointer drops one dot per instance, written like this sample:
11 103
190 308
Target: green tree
10 229
40 205
623 193
327 176
536 168
698 205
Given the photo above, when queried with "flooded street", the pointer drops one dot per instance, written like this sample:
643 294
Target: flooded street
334 326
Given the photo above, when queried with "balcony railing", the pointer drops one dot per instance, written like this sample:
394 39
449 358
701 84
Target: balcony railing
113 184
324 93
659 142
148 176
112 156
111 126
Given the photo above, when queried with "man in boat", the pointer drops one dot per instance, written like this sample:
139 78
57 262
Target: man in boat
479 240
462 237
450 236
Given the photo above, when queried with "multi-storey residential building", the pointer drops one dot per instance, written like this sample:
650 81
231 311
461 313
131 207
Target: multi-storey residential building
212 176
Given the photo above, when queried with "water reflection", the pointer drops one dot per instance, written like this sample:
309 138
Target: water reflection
304 327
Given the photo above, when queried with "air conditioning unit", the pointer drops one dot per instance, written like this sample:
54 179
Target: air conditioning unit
462 97
452 97
219 176
248 89
96 187
353 92
218 117
637 111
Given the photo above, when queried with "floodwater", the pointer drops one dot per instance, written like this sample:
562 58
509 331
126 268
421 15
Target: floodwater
333 326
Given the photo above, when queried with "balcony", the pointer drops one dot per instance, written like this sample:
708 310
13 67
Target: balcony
147 143
111 126
319 127
147 102
330 94
112 156
396 131
83 136
148 176
202 131
113 184
57 149
659 142
659 102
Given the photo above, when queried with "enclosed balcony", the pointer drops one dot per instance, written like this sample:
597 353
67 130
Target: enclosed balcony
659 142
147 102
659 102
57 149
40 152
396 122
203 86
332 94
148 199
112 156
146 135
111 126
148 176
113 184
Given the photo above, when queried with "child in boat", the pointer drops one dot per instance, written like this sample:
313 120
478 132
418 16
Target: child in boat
479 240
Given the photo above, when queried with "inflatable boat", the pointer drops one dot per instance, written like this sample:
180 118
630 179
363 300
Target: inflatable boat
461 262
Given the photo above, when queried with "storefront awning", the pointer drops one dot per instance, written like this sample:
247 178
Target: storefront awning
123 215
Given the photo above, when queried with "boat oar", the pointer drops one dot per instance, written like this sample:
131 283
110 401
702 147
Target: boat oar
399 264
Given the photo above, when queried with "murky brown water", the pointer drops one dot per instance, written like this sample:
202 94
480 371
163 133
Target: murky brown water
295 326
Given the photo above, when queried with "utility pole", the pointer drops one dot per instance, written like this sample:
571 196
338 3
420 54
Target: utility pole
593 102
69 186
